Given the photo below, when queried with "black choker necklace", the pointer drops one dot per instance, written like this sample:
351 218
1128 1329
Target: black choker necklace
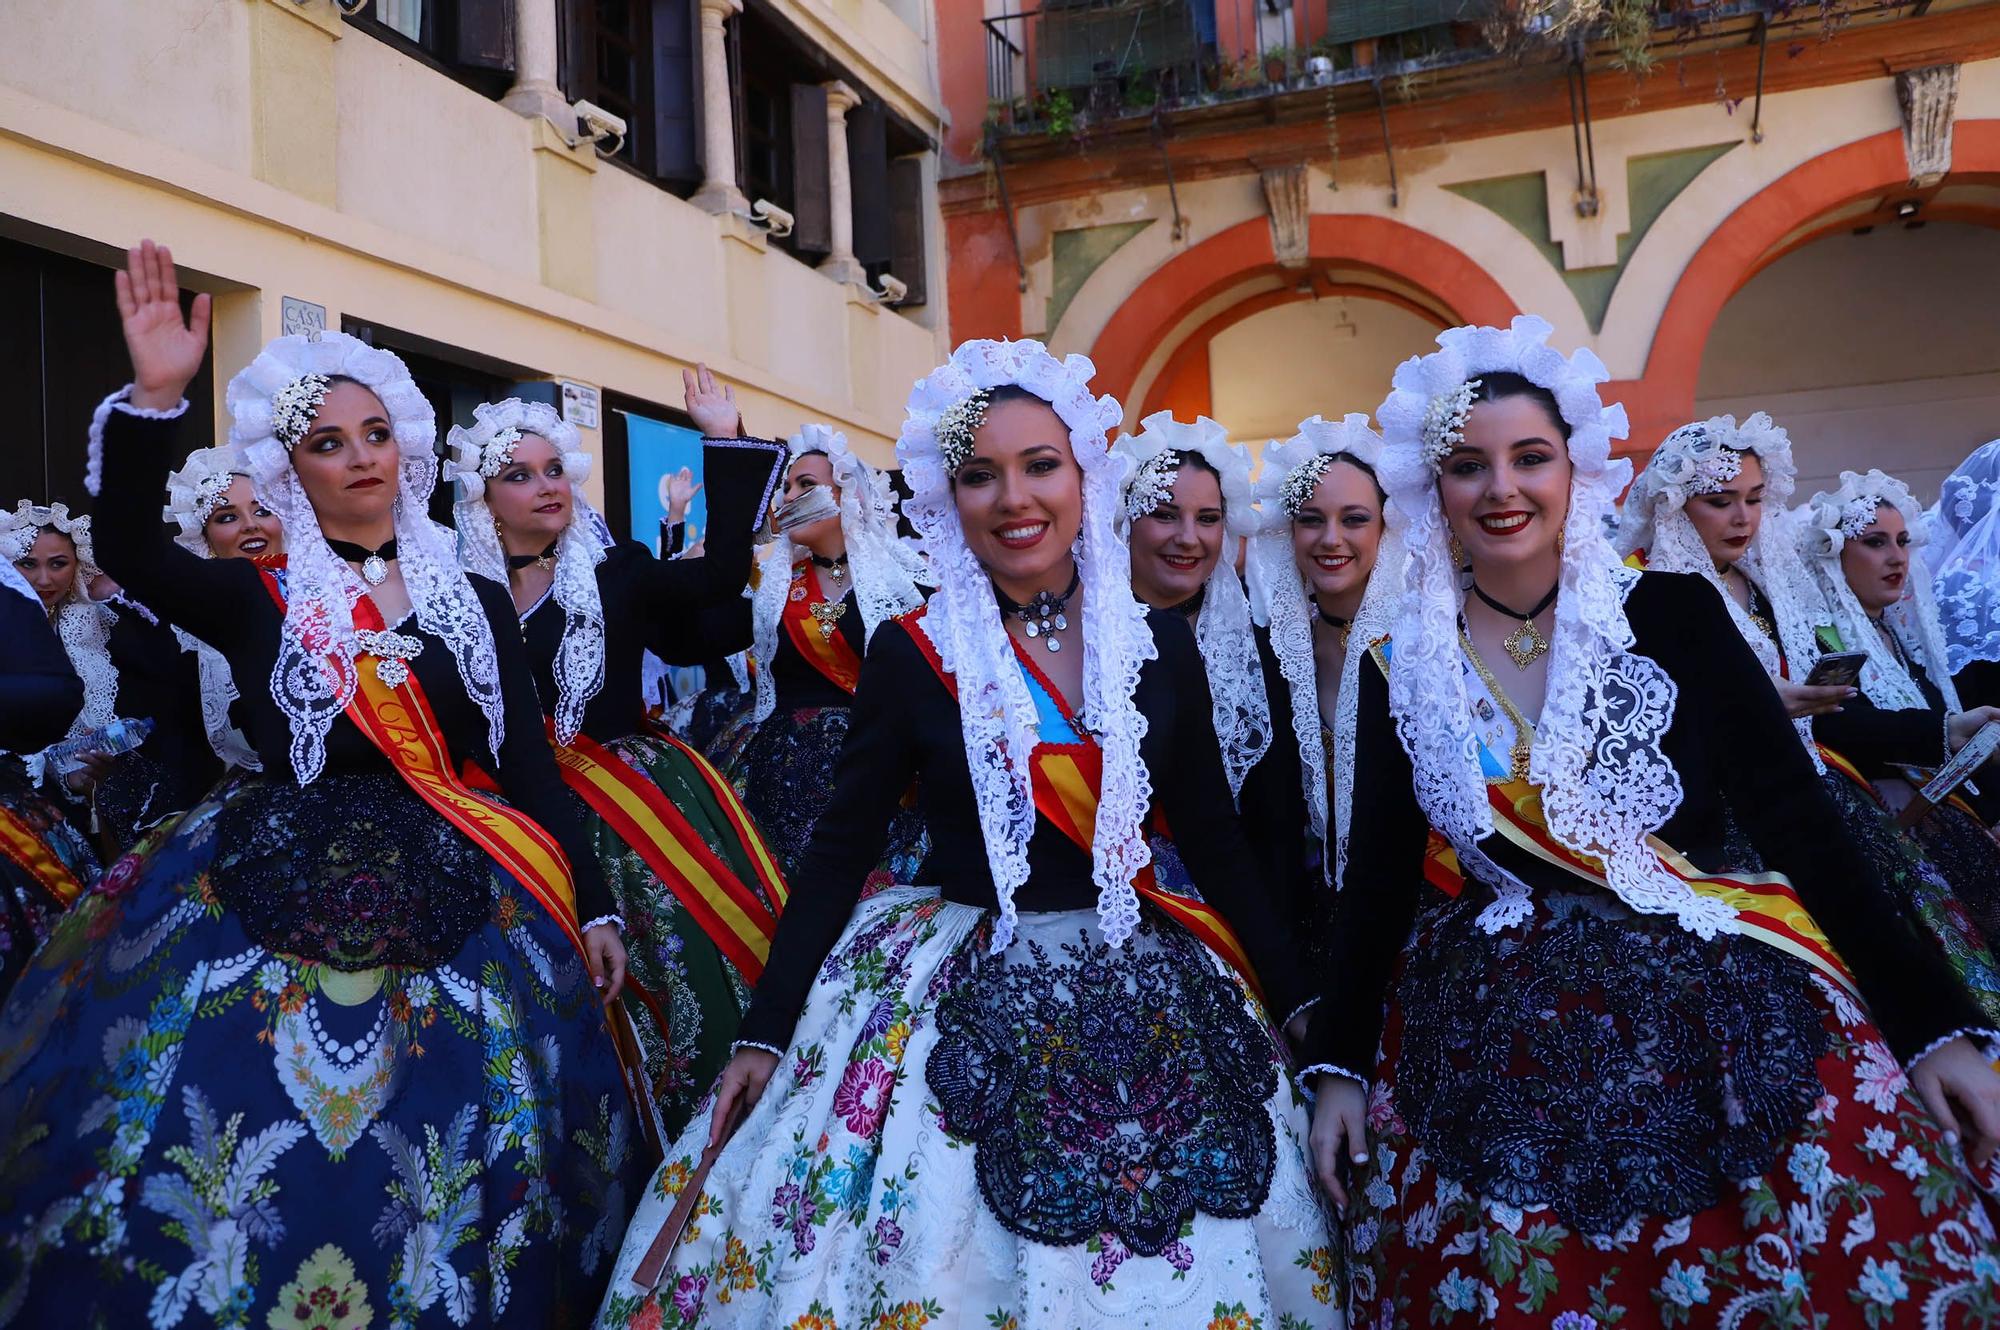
1526 643
374 563
546 559
1044 615
1192 605
836 567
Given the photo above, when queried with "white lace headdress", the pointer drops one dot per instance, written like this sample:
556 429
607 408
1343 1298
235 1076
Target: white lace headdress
1825 524
83 625
1292 470
1701 458
272 403
1962 551
479 454
193 494
996 712
885 570
1241 712
1605 784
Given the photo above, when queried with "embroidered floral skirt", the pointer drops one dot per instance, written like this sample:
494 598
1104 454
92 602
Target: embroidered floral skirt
1968 857
784 770
699 993
205 1130
28 911
1595 1119
1923 892
1063 1137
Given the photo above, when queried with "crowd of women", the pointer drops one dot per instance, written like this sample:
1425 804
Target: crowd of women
1422 876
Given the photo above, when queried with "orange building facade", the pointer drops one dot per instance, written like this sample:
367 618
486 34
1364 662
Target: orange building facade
1254 211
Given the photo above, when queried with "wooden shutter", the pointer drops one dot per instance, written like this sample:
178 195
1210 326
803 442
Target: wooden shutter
868 174
906 226
676 92
485 35
811 202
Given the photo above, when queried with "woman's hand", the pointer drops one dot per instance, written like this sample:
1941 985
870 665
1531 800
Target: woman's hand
1960 728
604 953
1808 699
1339 1132
677 492
166 349
1962 1091
713 408
741 1086
96 767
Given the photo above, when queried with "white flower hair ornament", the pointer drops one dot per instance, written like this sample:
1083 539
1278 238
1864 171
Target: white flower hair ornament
1292 473
996 711
478 455
1154 457
1823 526
1602 799
272 402
886 573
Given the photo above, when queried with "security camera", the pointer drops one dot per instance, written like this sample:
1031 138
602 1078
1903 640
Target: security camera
893 291
600 125
775 220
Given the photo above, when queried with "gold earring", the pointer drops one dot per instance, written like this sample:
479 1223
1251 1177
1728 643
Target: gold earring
1559 542
1457 550
499 532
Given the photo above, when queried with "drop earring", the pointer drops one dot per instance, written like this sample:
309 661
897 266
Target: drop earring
1457 550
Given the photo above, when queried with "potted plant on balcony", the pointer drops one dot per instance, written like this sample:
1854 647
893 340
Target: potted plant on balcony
1277 65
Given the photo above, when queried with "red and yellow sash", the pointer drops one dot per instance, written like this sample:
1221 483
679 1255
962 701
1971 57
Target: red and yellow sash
1066 780
1839 762
400 723
739 923
19 842
1767 908
828 653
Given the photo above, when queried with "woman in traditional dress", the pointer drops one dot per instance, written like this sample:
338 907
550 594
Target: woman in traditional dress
332 1049
1962 550
132 669
1615 1078
1035 1096
211 501
44 863
1858 541
1711 502
1326 573
691 881
835 574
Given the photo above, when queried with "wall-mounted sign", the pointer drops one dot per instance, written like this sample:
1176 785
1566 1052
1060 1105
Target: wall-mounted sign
579 404
302 317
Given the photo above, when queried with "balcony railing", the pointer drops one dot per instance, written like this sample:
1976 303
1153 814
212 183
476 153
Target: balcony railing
1062 64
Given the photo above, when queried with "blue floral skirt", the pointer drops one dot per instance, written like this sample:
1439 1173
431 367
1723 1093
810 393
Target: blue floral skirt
1063 1136
203 1129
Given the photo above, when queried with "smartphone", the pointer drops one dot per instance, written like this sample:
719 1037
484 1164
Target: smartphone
1837 669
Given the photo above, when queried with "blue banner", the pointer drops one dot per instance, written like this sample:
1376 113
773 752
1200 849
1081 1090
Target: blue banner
654 451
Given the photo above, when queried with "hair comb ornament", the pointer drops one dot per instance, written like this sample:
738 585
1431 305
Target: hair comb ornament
956 425
1303 479
1153 483
1444 421
294 406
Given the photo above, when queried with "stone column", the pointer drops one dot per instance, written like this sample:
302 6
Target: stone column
718 192
535 91
840 264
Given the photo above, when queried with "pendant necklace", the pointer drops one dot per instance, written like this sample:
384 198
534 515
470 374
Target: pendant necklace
1345 626
374 563
835 568
1525 644
516 562
1043 616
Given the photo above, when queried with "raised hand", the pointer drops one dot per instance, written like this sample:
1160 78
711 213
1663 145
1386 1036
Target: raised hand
713 406
677 492
166 349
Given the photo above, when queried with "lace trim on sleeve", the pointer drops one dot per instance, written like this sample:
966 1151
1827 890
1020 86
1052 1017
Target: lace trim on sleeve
1990 1047
742 1044
1304 1076
619 920
93 471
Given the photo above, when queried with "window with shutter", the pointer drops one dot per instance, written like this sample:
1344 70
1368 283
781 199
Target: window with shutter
484 36
868 174
472 41
812 230
608 60
907 227
676 159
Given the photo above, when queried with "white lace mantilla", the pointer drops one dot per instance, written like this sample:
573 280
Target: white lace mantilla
996 712
1962 550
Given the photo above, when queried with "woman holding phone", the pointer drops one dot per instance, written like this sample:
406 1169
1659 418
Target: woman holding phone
1712 502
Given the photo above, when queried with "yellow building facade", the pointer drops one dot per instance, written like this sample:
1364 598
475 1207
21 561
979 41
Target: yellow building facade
415 172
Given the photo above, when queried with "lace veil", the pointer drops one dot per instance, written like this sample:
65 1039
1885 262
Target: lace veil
1241 712
1824 525
193 493
1605 784
1962 551
480 453
996 712
83 625
886 571
314 677
1699 459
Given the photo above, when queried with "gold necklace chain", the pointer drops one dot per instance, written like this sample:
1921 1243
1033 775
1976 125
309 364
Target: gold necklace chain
1524 734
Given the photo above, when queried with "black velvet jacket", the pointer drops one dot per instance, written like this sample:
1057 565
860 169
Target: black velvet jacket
1732 745
224 603
906 726
649 601
39 691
